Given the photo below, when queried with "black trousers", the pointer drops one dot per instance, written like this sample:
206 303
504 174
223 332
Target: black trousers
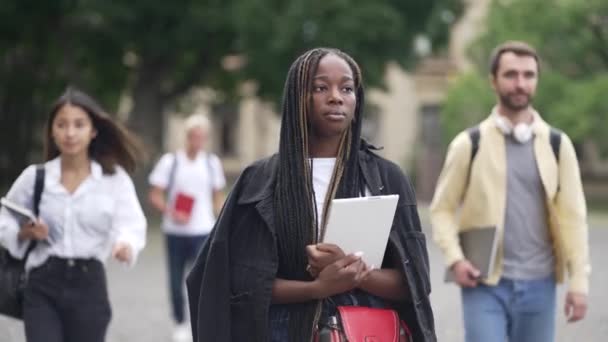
66 300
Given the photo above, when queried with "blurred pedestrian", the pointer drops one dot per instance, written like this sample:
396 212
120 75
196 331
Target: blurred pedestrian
186 187
263 275
88 211
516 174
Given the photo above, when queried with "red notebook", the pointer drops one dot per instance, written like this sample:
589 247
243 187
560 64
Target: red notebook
184 203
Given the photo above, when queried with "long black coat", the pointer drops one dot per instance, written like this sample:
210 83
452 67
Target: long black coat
230 285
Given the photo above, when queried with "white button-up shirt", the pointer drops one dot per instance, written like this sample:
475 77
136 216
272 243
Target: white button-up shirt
103 211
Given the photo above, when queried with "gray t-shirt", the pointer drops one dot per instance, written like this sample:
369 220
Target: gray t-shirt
528 251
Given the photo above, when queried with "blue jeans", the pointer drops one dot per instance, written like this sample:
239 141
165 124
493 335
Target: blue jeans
279 313
513 310
181 250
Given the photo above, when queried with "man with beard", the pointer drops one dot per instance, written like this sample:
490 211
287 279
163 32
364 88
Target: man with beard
518 176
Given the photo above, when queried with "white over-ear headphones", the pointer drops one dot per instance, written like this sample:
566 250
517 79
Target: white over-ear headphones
522 132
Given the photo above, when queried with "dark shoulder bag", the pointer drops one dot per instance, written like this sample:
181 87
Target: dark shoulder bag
12 270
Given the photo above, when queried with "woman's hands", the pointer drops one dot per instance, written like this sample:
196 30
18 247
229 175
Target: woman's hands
34 231
122 252
335 272
341 276
38 230
321 255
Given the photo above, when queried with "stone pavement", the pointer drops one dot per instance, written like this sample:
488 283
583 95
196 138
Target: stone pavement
141 306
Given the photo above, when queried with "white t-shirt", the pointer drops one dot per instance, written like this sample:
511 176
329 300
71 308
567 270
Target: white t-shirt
322 169
195 178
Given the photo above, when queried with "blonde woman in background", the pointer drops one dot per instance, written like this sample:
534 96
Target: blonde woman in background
186 187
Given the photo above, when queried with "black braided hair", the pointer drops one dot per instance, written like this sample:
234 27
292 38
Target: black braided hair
296 215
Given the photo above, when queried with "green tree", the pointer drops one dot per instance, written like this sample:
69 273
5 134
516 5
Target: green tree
271 37
43 46
155 51
572 39
181 45
168 48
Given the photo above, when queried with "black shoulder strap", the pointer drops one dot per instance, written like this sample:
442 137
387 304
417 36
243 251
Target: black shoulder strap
555 138
474 135
38 187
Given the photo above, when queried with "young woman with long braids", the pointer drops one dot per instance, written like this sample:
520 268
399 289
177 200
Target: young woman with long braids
263 275
88 211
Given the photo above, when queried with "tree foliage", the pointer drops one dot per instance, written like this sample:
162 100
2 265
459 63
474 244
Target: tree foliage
572 39
155 51
43 46
372 32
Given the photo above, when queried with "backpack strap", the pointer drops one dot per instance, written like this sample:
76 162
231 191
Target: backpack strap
555 137
210 170
174 170
474 135
172 173
38 187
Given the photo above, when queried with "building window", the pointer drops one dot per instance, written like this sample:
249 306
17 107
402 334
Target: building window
431 126
227 118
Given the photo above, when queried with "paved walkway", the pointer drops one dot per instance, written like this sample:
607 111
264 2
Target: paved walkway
141 304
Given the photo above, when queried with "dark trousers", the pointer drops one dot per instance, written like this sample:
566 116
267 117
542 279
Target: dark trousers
181 251
66 300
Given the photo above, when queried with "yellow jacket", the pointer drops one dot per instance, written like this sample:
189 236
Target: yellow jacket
483 203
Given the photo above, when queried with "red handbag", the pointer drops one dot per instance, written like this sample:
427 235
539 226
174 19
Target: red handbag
364 324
